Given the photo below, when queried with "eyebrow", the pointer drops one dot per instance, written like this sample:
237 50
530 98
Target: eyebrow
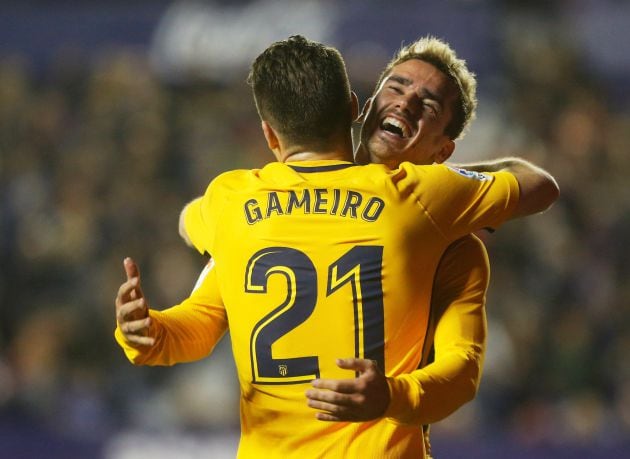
425 92
400 79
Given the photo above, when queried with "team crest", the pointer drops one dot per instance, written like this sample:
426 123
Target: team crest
283 370
470 174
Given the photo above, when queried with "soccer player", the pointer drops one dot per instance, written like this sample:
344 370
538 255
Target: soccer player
408 88
357 284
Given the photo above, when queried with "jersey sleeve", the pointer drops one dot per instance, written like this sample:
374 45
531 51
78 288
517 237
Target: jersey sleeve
195 224
461 201
202 215
185 332
432 393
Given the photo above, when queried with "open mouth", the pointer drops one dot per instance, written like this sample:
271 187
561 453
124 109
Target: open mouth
396 127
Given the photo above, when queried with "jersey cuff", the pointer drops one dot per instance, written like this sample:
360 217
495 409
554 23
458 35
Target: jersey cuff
404 401
137 354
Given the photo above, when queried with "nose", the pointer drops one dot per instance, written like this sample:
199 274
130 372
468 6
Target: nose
408 103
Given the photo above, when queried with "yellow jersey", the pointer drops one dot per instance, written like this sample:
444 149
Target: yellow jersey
319 260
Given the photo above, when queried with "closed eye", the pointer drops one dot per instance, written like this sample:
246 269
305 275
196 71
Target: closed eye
432 109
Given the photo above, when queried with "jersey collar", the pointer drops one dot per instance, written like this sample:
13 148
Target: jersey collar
319 166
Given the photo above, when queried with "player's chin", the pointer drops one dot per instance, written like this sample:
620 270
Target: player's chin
387 155
388 145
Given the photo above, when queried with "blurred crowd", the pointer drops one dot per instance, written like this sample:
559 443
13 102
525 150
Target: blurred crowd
97 162
97 158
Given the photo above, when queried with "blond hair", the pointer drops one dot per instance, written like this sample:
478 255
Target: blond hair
438 53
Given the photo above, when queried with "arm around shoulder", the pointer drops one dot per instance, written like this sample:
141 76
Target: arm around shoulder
538 188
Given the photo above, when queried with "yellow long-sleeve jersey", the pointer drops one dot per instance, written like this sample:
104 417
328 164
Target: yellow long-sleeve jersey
318 261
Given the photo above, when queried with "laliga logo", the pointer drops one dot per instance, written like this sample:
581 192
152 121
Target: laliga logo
470 174
283 370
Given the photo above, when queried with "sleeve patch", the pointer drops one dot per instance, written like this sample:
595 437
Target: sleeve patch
471 174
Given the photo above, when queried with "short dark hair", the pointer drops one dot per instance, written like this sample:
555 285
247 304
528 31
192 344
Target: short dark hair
301 89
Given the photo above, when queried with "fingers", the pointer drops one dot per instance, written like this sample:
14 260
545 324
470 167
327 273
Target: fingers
124 291
344 386
136 331
131 269
133 272
331 417
335 407
327 399
328 408
133 310
141 340
366 367
361 365
363 398
136 327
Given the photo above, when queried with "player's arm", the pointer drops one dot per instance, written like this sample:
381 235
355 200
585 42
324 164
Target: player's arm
434 392
197 223
462 201
182 225
538 189
198 219
183 333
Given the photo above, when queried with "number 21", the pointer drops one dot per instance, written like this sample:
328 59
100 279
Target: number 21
360 266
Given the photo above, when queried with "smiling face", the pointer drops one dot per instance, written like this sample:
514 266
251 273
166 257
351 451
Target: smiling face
408 115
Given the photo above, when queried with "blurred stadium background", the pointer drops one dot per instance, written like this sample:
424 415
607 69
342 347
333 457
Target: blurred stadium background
114 114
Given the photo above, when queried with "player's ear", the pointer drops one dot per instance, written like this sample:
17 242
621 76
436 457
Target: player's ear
270 135
445 152
274 142
364 112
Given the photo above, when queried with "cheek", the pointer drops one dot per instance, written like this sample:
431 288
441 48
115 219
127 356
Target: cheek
430 131
379 105
369 126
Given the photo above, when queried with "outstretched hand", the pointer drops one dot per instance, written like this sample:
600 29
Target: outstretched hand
363 398
132 310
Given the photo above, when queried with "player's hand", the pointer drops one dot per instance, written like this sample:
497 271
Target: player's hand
132 310
363 398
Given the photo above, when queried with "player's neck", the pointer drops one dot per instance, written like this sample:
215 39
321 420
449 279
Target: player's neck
334 155
341 151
